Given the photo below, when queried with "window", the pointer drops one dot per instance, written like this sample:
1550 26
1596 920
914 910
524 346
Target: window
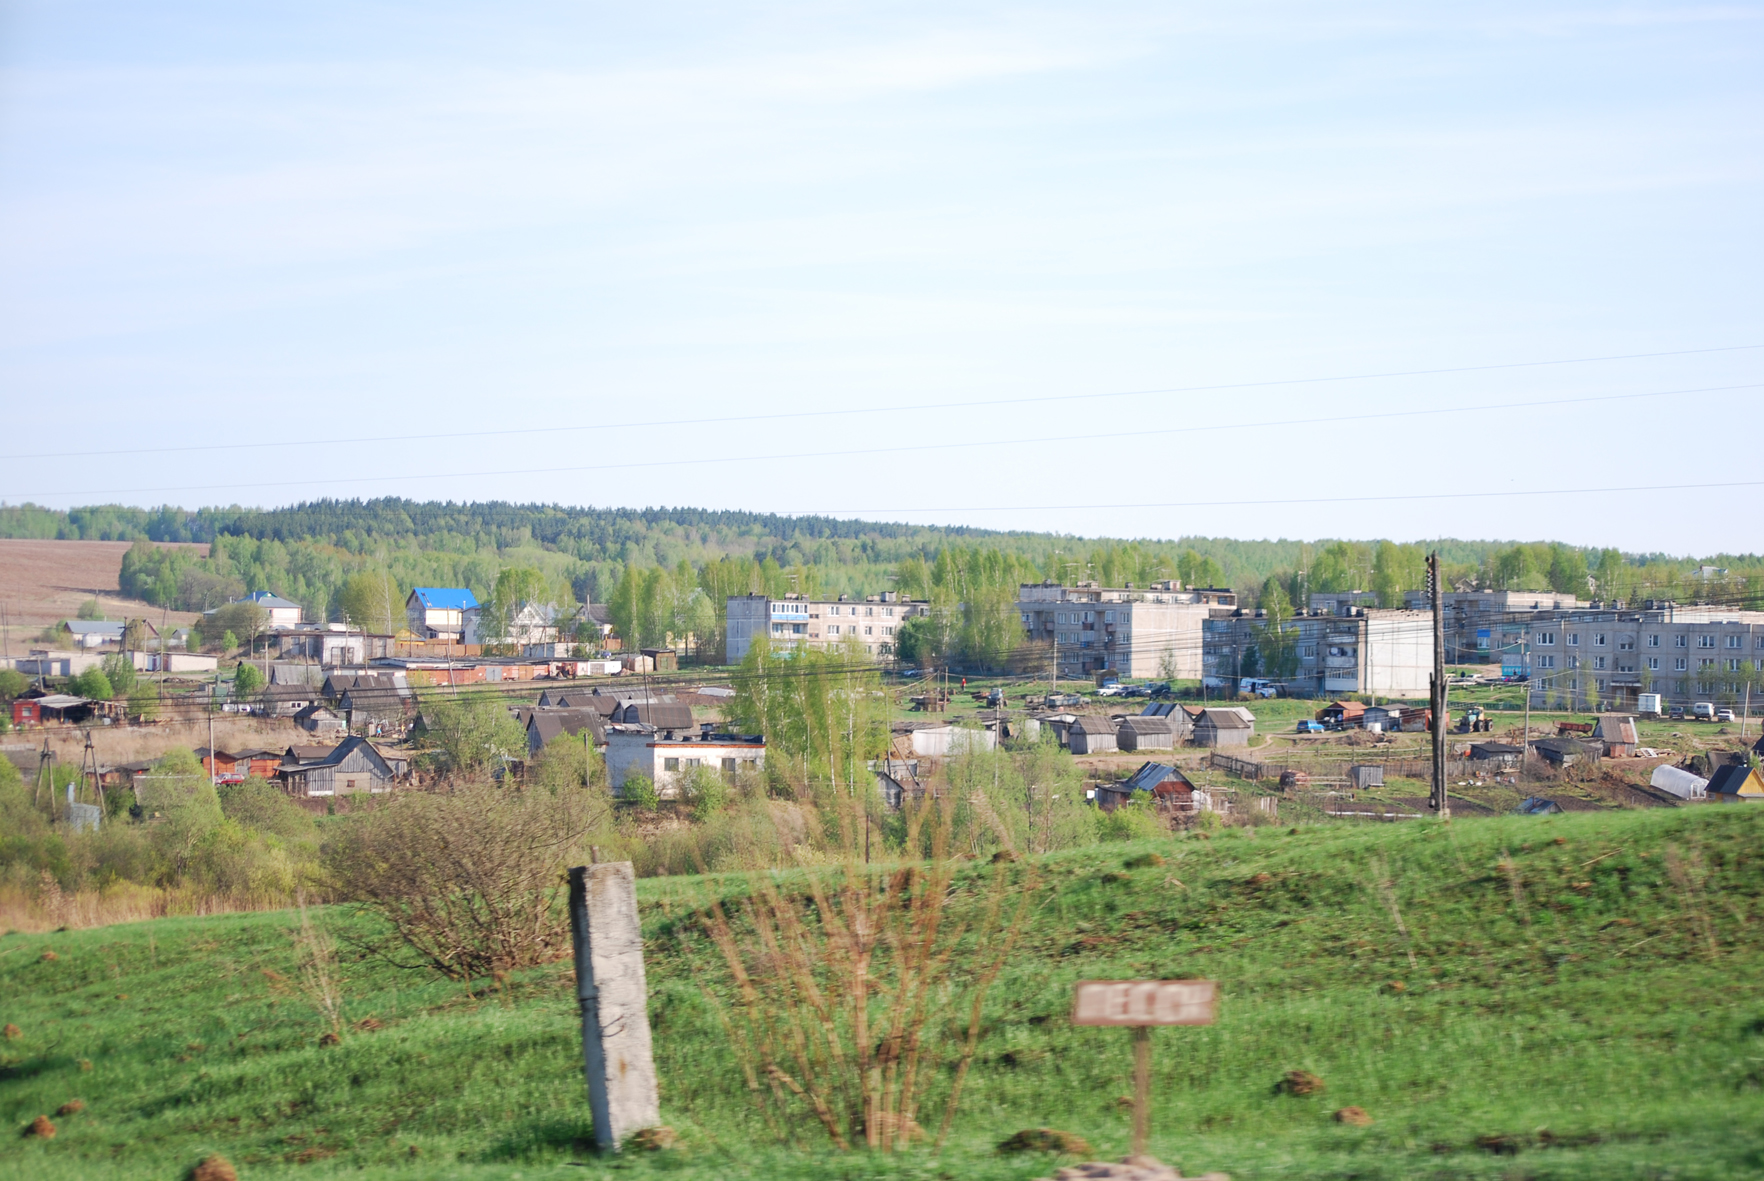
1626 644
1601 684
1598 662
670 764
1028 621
1546 639
1733 641
1705 641
1546 662
728 766
1090 617
1599 640
1108 617
1653 641
1678 664
887 631
1574 662
888 611
1573 639
1574 683
1706 662
868 611
1679 641
832 629
868 630
1733 664
1654 663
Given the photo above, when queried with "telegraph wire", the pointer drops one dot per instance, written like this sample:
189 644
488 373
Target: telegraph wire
801 414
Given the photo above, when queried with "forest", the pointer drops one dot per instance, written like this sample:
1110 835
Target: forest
666 572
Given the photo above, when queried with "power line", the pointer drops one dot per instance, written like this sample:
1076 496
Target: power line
961 445
871 409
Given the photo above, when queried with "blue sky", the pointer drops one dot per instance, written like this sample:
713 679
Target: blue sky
919 237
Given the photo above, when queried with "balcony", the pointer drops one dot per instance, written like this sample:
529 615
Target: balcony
1341 662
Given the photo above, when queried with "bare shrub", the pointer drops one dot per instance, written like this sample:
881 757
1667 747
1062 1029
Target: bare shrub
317 955
470 876
836 976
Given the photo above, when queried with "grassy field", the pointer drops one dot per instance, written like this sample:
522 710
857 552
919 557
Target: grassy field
1576 996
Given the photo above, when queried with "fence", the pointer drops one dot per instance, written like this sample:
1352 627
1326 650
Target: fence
1403 768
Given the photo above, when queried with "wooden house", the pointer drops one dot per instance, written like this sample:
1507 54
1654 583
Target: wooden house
1736 782
1091 735
353 766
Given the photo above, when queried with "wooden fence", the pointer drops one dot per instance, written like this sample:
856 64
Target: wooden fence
1403 768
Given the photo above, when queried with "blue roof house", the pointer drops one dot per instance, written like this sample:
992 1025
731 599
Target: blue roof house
440 612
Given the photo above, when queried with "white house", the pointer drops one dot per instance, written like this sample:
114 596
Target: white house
666 755
439 612
281 612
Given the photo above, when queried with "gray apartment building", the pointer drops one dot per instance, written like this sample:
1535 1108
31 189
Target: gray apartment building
817 623
1602 659
1364 650
1152 631
1488 626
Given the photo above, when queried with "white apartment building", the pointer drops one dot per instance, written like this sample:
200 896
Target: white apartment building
1602 659
1388 653
1154 631
817 623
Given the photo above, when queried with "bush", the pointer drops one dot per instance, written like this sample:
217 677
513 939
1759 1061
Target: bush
144 703
469 877
119 670
12 683
640 792
93 684
706 791
247 681
91 611
1134 821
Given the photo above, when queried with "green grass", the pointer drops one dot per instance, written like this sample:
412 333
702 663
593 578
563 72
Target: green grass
1598 1012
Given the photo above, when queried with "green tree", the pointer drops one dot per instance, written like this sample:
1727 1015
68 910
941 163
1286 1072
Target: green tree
373 602
472 733
90 610
12 683
119 670
144 703
92 684
1397 568
247 681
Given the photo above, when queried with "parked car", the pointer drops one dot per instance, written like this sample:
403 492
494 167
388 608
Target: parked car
1724 715
1307 726
1677 714
1703 711
1157 687
1112 690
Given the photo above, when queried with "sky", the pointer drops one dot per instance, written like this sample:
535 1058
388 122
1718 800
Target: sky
1136 270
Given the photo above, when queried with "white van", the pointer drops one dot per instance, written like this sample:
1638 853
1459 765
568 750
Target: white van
1649 704
1703 711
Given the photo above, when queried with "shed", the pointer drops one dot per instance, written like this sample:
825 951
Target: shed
1565 752
1502 754
1364 775
1143 733
1342 714
286 700
321 720
1091 735
938 741
663 660
1736 782
1222 728
1678 782
1617 732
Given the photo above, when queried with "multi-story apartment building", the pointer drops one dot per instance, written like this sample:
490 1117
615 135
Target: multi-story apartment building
1153 631
817 623
1388 653
1485 627
1596 659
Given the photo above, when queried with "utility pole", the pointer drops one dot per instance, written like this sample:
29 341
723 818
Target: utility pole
1438 801
212 695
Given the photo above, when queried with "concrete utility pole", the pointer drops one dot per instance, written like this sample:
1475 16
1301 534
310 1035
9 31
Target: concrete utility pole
1438 800
610 988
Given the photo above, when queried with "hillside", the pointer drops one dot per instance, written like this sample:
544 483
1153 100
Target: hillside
1567 997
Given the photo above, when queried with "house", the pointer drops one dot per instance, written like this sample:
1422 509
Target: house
1736 782
284 701
321 720
1222 728
85 633
331 645
1617 732
1537 806
353 766
1170 790
633 750
1143 733
1343 715
545 726
1091 735
1676 781
280 612
439 612
377 702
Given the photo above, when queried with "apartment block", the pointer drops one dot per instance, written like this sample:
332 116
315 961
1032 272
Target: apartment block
817 623
1486 627
1365 650
1602 659
1152 631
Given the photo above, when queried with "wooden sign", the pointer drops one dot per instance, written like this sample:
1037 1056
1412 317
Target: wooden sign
1144 1002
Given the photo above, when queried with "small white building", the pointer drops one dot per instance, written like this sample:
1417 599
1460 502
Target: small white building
666 755
440 612
281 612
94 633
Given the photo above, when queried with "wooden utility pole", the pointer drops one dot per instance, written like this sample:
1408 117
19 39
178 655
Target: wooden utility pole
1438 800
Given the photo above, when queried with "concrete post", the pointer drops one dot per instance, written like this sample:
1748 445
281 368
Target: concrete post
611 988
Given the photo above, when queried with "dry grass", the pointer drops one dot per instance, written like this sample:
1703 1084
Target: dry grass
128 744
835 985
34 912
